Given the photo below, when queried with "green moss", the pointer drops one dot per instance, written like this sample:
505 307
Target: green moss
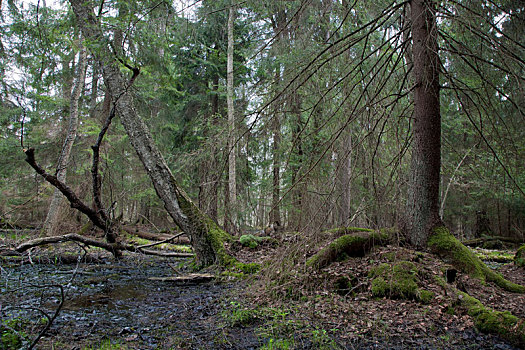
346 246
210 232
443 243
488 320
398 281
519 258
249 268
250 241
425 296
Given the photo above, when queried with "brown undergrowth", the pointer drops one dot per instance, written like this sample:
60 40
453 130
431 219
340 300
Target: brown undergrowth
340 298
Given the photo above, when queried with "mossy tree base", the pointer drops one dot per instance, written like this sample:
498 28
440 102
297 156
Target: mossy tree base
349 245
450 249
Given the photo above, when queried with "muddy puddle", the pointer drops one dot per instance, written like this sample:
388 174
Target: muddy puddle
118 301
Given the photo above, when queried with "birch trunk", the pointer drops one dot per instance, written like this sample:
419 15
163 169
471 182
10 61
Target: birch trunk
206 237
51 222
231 202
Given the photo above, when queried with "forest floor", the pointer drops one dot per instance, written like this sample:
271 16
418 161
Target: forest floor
117 305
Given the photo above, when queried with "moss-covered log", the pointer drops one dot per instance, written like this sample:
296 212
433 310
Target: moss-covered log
448 247
349 245
488 320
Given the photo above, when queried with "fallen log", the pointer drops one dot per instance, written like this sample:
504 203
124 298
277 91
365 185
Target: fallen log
480 241
111 247
181 239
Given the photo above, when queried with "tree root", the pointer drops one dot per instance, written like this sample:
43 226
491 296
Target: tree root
450 249
488 320
111 247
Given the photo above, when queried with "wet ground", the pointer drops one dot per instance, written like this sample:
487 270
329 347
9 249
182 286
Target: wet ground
117 302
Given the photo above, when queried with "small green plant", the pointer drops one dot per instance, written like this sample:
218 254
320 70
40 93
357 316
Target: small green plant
281 344
12 335
237 315
322 341
107 344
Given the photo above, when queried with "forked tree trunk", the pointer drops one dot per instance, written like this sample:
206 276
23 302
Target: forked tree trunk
51 222
423 191
207 239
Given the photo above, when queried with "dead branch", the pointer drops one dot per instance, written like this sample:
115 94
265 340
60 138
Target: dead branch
111 247
161 242
74 201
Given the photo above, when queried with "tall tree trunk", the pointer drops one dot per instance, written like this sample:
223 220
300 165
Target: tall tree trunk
280 33
423 191
208 169
51 222
206 237
344 176
231 199
275 213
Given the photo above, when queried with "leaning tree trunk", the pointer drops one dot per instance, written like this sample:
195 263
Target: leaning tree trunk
423 191
53 212
206 237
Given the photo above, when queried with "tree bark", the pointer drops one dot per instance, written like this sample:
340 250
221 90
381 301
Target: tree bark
51 222
231 198
207 238
423 191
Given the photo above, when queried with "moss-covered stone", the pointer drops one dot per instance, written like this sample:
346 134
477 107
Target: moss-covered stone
346 246
519 258
488 320
398 281
444 244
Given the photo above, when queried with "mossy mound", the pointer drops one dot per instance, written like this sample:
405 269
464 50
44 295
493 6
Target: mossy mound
444 244
355 245
519 258
252 241
398 281
488 320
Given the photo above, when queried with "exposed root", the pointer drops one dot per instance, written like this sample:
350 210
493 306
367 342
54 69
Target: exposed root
449 248
487 320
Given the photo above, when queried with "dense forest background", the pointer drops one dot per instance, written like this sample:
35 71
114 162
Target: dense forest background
322 101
